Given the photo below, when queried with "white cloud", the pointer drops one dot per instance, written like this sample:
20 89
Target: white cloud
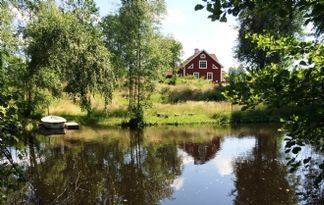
186 159
174 16
177 183
224 166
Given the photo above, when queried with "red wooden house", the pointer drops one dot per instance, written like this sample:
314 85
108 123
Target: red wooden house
202 65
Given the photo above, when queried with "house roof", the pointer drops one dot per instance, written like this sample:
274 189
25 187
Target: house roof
213 56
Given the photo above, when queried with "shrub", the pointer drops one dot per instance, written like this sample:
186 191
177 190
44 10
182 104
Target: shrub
190 92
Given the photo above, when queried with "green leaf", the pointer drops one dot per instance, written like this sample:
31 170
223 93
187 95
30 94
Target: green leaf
302 63
295 150
290 144
198 7
223 18
321 166
292 170
305 161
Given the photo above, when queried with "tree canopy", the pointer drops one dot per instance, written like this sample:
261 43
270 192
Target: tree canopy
67 46
143 55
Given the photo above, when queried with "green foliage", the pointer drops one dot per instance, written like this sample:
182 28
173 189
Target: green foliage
277 85
67 46
277 18
184 93
264 19
114 38
312 10
10 130
170 51
137 18
143 55
264 115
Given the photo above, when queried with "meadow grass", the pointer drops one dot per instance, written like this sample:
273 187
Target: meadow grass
163 110
192 112
187 89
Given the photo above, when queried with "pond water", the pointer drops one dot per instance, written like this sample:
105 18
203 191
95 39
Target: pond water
167 165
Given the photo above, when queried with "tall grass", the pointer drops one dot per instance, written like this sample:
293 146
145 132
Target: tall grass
188 102
188 89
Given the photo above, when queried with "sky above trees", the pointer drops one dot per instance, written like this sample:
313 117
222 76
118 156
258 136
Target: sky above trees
192 29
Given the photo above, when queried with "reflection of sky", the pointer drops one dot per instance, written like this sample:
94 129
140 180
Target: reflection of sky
209 183
231 148
177 183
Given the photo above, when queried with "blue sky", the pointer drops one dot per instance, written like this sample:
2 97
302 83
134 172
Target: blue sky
192 29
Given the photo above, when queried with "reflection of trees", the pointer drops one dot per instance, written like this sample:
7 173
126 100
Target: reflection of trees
202 152
260 177
309 193
104 173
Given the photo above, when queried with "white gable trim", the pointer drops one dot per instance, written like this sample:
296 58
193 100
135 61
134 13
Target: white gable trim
214 66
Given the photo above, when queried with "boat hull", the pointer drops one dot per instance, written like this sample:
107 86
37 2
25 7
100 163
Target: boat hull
54 125
53 122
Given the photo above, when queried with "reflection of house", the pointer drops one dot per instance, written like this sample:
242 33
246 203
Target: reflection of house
202 64
202 152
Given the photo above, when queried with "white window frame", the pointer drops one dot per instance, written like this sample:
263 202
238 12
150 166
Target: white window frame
190 67
212 76
195 75
203 56
200 64
214 66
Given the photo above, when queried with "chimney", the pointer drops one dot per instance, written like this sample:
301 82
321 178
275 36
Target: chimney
196 50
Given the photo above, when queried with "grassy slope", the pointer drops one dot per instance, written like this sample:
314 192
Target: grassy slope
165 110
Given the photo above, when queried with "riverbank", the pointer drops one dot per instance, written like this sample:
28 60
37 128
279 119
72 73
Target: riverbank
182 113
190 101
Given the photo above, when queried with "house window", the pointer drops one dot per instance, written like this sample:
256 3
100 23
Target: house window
202 56
215 67
209 76
190 67
203 64
195 75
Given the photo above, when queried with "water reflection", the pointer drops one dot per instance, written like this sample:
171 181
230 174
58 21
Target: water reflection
261 177
188 165
103 173
202 152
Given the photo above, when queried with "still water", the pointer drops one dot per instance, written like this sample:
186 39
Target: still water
169 166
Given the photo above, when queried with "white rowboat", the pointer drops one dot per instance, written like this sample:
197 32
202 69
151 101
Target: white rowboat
53 122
